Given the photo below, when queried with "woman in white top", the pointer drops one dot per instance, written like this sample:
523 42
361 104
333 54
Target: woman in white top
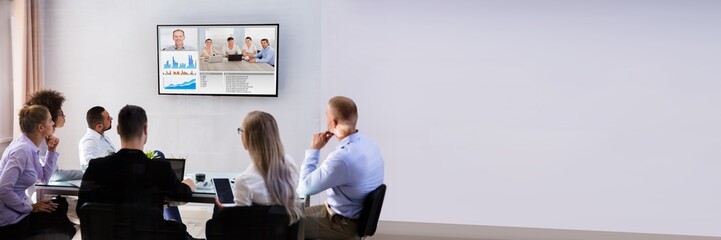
271 177
248 49
208 49
231 48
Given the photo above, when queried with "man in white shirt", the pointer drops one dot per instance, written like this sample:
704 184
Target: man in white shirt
94 144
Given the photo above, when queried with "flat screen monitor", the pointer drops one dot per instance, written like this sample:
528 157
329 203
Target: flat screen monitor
220 59
178 166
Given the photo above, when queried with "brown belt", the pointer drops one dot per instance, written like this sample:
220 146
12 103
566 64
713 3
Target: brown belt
334 214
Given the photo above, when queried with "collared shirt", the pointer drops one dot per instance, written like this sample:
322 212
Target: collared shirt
93 145
250 187
231 51
173 48
20 168
349 173
266 55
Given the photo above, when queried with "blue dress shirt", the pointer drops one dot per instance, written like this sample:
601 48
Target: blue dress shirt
349 173
266 55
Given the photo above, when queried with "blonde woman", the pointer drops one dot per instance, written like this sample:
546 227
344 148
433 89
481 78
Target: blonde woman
271 177
20 169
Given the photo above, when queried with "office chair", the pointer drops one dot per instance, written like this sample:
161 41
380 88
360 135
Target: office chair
251 222
371 212
108 221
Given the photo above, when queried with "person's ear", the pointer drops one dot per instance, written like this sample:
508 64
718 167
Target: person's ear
335 123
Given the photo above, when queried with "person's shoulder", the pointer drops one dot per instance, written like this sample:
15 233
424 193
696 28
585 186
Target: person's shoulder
20 153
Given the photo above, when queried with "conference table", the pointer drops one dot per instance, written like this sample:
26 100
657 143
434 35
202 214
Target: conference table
204 191
235 66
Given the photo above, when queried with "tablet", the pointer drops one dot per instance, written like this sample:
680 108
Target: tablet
223 191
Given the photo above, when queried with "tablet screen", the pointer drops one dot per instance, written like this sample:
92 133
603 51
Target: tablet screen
223 190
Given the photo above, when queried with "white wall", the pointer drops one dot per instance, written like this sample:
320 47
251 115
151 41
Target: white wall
6 91
593 115
104 53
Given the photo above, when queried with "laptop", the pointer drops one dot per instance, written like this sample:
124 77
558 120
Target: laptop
177 164
235 57
215 59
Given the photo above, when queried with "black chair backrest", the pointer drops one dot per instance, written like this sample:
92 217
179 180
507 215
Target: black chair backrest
368 220
115 222
251 222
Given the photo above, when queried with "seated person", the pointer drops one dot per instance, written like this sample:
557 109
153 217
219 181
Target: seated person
231 48
208 50
94 144
128 177
248 49
266 55
53 100
271 177
348 174
20 169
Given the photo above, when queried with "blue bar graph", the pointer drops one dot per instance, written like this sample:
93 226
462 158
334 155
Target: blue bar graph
172 64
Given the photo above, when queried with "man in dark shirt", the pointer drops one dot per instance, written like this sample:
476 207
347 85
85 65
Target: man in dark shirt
128 178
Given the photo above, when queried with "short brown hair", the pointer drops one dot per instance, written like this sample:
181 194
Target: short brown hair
94 116
344 109
31 116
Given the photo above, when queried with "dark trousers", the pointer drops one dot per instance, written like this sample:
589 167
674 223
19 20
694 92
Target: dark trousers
39 223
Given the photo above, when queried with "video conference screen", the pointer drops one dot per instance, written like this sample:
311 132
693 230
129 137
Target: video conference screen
229 60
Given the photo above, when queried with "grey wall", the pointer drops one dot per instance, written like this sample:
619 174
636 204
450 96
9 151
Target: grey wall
595 115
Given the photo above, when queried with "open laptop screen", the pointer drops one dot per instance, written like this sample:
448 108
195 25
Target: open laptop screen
178 166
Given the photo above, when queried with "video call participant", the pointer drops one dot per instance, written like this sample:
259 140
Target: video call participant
231 48
266 55
94 143
248 49
20 168
130 178
179 39
348 174
208 50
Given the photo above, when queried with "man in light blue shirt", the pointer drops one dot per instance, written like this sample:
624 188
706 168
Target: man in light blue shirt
266 55
179 40
348 174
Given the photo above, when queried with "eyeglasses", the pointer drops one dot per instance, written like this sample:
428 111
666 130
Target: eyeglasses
240 131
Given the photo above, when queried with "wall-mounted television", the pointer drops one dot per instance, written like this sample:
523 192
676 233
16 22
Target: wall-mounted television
218 59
